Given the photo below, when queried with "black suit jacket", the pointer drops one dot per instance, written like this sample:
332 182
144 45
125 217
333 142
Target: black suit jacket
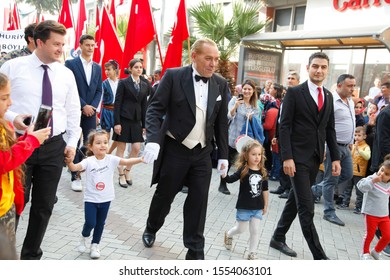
128 103
303 130
381 145
175 101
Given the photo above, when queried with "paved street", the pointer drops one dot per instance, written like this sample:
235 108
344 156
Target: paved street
126 221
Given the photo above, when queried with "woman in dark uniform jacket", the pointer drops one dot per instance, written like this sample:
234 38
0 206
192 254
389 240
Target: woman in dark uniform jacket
129 115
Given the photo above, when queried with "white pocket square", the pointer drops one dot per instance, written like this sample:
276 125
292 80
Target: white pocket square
219 98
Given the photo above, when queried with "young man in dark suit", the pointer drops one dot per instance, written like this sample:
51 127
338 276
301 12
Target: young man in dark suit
194 101
88 76
307 121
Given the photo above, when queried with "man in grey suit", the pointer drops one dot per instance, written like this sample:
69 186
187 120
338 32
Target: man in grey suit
88 76
194 102
307 121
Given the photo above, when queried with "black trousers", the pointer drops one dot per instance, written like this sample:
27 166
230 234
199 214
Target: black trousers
284 180
300 201
42 174
193 168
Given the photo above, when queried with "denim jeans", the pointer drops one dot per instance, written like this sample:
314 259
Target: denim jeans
95 219
326 187
276 165
350 184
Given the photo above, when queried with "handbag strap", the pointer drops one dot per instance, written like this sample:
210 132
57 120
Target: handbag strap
247 124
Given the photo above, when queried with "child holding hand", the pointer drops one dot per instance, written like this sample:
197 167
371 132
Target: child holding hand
99 167
252 199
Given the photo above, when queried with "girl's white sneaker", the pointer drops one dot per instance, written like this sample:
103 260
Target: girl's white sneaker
95 251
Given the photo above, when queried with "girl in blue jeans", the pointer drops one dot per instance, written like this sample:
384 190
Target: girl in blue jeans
99 192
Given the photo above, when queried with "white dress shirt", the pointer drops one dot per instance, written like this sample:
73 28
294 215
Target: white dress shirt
87 69
26 74
313 88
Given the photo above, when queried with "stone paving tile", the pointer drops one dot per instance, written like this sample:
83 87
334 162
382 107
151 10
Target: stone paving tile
128 213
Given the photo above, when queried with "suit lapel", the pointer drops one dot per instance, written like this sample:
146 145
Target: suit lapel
187 83
93 75
311 104
213 94
79 65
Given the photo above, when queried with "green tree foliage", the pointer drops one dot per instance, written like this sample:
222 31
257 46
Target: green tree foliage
210 22
48 6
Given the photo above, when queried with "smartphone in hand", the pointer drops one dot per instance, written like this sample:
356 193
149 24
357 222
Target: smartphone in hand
44 116
240 96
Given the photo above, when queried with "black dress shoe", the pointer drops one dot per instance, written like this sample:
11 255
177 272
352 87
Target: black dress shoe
282 247
285 194
279 190
191 255
223 189
334 220
148 238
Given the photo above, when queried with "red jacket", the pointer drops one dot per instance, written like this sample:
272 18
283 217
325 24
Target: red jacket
13 158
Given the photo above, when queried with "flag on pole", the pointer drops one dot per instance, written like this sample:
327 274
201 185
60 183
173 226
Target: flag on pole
96 53
13 19
112 12
140 30
110 47
16 17
180 33
65 16
81 19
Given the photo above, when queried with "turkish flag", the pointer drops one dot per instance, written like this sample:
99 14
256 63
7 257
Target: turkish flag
13 20
81 19
110 47
65 16
96 53
140 30
179 34
112 12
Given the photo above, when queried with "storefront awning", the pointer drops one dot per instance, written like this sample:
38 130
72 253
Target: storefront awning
369 36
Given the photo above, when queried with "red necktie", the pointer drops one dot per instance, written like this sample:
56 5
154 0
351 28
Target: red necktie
320 99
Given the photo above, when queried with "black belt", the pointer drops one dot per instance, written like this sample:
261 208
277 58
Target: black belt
53 139
343 145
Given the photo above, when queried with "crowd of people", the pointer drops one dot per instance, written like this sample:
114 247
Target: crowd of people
279 133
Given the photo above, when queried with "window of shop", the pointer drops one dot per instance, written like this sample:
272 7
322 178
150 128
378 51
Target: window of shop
364 64
288 19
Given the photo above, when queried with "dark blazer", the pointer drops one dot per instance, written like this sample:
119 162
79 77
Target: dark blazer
175 99
303 130
128 103
89 94
381 144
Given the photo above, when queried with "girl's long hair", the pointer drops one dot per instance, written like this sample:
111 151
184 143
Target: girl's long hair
242 159
7 134
7 138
